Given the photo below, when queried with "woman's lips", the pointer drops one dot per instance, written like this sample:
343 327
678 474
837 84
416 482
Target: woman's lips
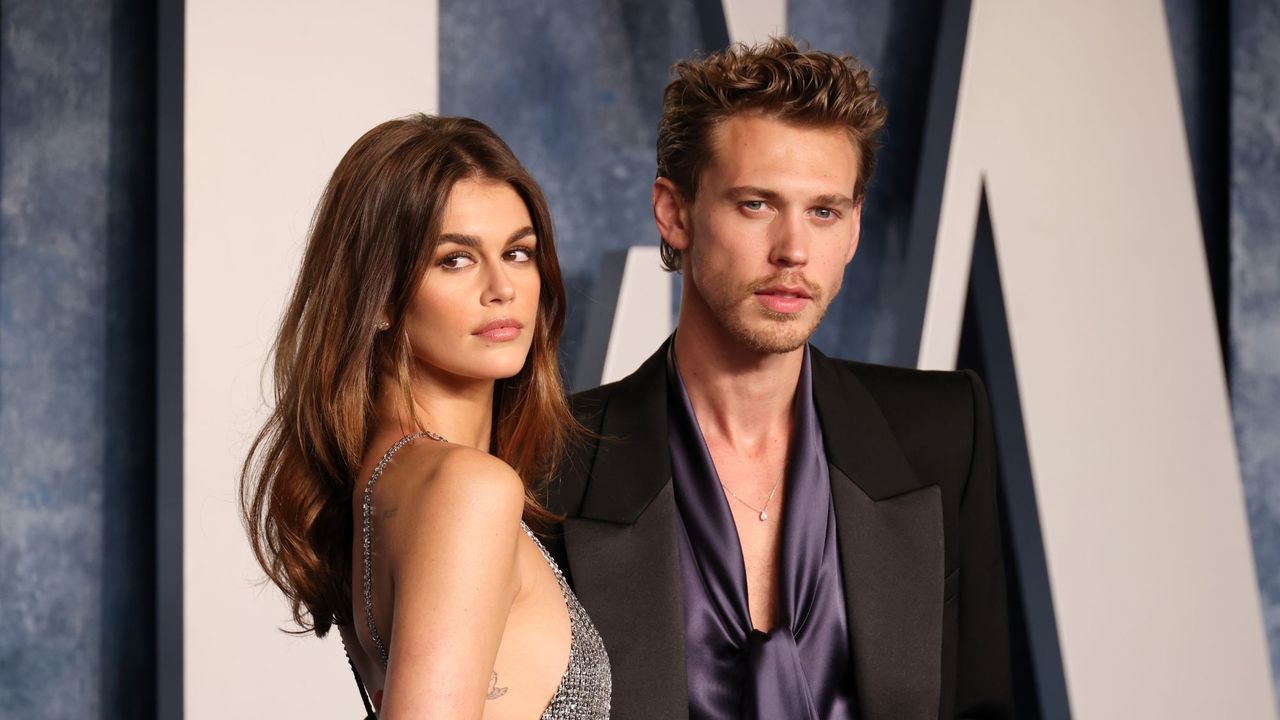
501 330
785 300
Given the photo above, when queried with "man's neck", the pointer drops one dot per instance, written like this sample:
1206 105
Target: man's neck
741 397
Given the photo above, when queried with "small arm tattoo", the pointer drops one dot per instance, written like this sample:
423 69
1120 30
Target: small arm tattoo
495 692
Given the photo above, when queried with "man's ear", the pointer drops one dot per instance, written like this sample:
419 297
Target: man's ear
671 214
856 217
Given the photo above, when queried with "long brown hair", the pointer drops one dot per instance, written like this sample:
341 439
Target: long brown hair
371 242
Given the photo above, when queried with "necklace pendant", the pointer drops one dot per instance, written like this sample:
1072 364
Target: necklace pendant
763 516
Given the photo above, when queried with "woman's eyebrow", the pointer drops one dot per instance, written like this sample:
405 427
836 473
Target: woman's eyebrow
474 242
520 234
470 241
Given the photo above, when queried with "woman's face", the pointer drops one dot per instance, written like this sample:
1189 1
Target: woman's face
474 313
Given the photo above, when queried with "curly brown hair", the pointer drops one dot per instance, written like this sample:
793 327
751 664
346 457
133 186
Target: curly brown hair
776 79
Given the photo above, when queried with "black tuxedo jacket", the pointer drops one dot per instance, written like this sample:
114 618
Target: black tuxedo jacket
913 484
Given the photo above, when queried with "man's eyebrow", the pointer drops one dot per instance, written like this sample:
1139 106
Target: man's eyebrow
753 191
840 201
831 200
473 242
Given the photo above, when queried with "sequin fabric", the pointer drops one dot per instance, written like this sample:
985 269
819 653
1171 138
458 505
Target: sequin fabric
586 685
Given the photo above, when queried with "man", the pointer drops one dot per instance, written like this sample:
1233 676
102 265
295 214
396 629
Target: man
757 530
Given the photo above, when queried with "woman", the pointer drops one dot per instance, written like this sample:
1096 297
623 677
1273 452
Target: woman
418 408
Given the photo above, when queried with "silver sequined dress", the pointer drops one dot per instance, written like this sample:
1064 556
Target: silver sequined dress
586 685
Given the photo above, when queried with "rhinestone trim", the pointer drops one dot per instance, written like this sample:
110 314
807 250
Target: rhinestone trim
367 541
586 686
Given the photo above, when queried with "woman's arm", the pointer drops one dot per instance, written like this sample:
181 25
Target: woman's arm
451 549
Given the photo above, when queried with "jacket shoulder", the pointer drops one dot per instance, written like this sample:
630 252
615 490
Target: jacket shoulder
932 413
588 405
565 491
939 390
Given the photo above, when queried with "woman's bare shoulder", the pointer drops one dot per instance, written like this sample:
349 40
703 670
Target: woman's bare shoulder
451 547
430 467
434 488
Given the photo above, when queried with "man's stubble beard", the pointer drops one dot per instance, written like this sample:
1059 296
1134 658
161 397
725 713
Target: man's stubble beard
782 332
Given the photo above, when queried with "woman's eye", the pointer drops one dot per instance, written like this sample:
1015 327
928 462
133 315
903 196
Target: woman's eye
456 261
521 254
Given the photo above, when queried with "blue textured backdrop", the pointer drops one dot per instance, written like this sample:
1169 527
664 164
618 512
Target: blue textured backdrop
590 143
575 87
76 352
897 41
1255 286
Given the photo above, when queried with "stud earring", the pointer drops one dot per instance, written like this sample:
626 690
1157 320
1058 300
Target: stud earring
382 325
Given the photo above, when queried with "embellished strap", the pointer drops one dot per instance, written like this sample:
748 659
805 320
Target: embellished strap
546 555
368 537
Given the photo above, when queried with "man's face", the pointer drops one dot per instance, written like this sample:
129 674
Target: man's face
772 228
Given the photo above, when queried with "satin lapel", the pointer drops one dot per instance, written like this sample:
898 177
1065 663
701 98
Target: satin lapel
857 438
622 550
891 555
890 532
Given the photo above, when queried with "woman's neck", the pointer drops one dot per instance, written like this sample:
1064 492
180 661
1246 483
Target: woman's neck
459 409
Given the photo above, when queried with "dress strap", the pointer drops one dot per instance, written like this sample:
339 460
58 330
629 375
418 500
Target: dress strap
369 713
367 542
546 555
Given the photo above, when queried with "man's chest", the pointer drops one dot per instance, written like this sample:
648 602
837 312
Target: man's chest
755 490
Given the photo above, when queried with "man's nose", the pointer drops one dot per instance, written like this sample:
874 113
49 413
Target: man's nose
790 243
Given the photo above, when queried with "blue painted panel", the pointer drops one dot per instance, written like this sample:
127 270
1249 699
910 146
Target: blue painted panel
1255 286
897 41
576 89
53 216
76 352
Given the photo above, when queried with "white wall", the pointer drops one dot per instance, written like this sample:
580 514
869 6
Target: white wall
1070 113
275 94
754 21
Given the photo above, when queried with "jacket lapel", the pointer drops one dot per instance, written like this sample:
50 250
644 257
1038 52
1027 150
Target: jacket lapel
890 534
622 551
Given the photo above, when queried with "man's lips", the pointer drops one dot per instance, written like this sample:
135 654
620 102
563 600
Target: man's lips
794 291
785 299
499 330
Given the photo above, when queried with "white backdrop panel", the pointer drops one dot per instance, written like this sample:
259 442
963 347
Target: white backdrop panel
275 93
1070 113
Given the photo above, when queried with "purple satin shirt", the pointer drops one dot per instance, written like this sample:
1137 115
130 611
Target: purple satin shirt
803 668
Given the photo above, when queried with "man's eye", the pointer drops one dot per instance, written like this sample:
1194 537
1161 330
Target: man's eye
754 205
824 213
456 261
